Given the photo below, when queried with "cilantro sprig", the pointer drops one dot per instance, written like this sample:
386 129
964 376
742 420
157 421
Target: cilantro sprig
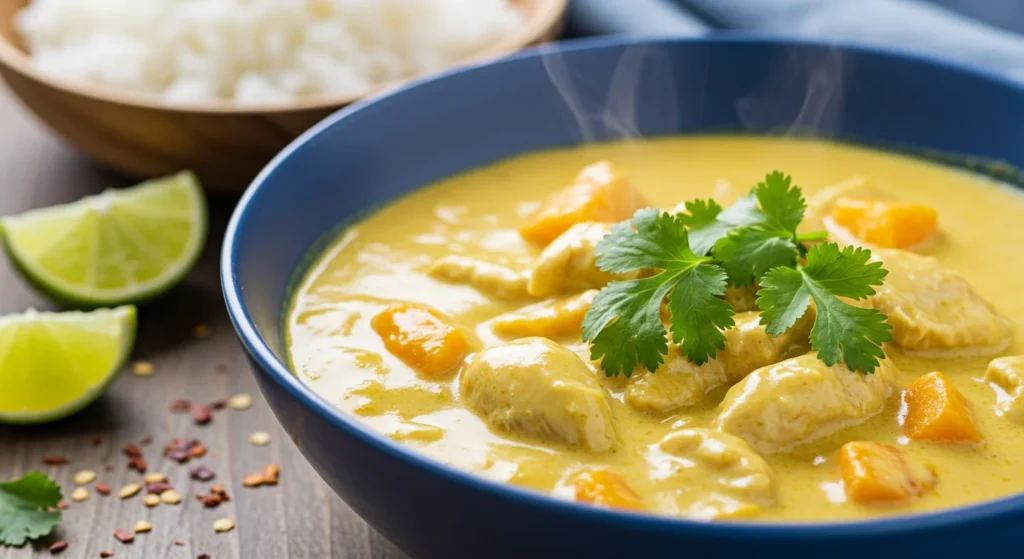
697 254
28 508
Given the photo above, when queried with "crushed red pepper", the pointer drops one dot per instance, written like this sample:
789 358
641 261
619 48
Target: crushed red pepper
102 488
124 536
58 546
55 460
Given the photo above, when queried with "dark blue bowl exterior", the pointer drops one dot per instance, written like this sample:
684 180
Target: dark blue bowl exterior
367 155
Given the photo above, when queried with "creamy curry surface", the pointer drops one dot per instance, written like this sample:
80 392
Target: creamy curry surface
392 256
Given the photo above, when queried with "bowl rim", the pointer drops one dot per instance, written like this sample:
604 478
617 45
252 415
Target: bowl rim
280 373
549 15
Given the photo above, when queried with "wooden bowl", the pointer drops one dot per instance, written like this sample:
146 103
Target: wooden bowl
226 145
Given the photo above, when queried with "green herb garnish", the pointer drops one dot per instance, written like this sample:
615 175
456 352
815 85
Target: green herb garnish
28 508
701 252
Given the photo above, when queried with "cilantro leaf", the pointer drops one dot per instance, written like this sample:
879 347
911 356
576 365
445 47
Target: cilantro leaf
782 204
749 252
841 332
23 508
706 229
624 324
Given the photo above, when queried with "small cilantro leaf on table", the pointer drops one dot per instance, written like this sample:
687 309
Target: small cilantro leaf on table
841 332
28 508
624 324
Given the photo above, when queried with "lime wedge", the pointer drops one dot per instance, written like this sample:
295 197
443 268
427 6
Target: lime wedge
118 247
54 364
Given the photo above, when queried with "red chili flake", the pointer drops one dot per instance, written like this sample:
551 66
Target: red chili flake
201 473
102 488
219 491
179 456
146 441
218 405
138 464
203 556
180 406
124 536
58 546
63 505
106 554
179 542
201 415
270 473
97 441
132 450
55 460
197 451
157 487
209 501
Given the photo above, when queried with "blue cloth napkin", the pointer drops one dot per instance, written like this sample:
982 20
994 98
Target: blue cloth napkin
914 25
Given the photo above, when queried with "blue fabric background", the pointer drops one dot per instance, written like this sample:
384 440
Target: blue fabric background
984 33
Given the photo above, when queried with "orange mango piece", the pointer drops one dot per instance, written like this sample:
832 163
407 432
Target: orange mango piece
886 224
934 410
878 473
421 338
598 193
601 487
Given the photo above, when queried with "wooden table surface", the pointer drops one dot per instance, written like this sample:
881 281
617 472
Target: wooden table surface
298 518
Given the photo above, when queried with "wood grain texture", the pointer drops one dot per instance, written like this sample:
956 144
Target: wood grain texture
224 144
299 518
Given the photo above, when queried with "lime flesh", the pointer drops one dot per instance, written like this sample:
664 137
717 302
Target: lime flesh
54 364
118 247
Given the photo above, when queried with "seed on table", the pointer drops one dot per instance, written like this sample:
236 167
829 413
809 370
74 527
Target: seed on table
201 473
63 505
55 460
142 526
179 542
197 451
154 477
58 546
151 500
223 524
201 415
240 401
260 438
132 450
85 477
171 497
252 480
129 490
142 368
124 536
270 473
106 554
79 494
102 489
157 487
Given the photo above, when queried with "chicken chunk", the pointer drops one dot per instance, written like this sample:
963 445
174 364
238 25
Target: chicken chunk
730 475
748 346
935 310
598 193
536 388
678 382
569 262
553 319
1006 376
802 399
493 279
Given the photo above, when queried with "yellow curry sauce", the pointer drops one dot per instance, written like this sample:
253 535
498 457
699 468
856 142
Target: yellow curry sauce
385 259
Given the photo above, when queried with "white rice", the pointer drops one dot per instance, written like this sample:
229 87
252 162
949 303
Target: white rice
256 51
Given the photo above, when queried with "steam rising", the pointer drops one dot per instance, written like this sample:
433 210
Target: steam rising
799 93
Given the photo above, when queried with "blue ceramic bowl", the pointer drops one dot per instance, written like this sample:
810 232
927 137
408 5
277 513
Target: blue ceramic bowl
368 154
